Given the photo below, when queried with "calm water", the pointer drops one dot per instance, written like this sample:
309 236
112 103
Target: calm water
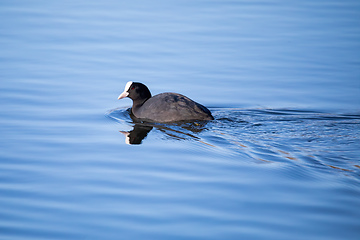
280 160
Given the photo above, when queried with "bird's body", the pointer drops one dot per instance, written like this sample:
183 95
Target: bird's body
164 107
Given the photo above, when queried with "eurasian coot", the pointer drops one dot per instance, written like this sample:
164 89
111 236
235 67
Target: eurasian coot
164 107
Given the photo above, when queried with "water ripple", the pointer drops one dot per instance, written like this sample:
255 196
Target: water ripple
311 138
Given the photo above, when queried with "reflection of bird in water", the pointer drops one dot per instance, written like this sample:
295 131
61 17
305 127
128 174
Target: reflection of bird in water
179 131
136 135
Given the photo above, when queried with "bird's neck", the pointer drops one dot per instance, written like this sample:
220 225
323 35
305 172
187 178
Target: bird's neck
139 102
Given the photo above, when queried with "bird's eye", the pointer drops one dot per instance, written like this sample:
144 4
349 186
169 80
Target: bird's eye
132 88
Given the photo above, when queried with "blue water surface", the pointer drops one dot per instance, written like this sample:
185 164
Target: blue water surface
280 160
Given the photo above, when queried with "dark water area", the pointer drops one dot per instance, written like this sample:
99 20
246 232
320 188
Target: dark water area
279 161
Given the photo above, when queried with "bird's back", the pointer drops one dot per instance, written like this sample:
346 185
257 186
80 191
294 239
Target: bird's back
172 107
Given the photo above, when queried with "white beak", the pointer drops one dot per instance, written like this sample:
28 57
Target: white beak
123 95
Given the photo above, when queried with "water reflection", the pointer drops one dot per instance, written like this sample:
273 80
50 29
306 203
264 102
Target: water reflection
176 131
136 135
